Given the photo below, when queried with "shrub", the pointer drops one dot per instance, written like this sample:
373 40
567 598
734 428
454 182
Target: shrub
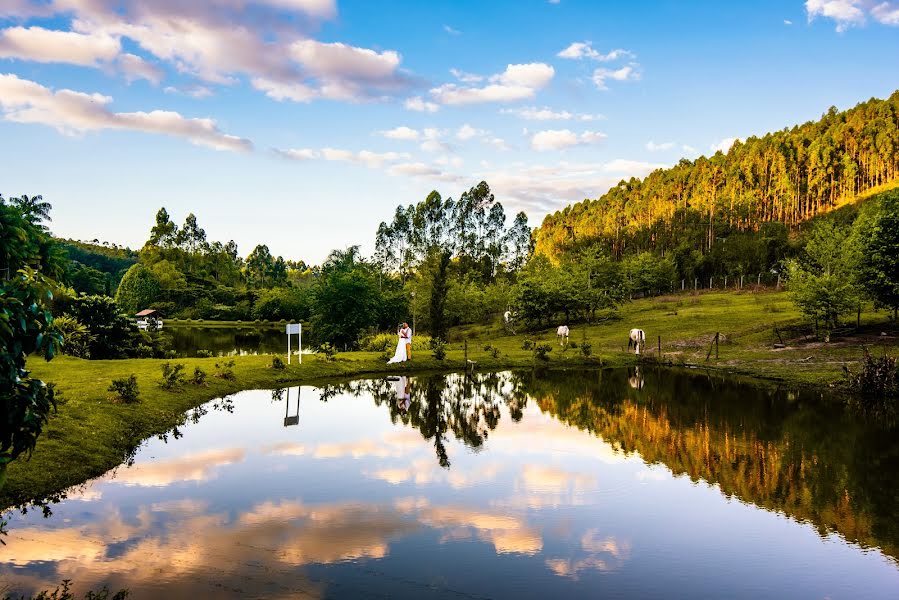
278 364
586 348
224 370
143 351
527 344
329 351
76 337
171 354
438 349
491 350
875 387
204 353
199 376
125 389
573 345
172 376
386 342
541 351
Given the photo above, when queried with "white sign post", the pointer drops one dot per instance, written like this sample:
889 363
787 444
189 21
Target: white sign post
295 329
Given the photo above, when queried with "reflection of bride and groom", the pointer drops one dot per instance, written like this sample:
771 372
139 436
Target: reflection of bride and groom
403 345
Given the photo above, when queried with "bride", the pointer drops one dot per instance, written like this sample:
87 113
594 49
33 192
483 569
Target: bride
400 354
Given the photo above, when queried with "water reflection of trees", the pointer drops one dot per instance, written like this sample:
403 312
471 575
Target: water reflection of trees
468 406
810 460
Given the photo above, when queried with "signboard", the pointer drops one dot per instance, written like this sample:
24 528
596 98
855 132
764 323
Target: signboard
297 330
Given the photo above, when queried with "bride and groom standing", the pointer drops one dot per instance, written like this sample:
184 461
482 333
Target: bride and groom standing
403 345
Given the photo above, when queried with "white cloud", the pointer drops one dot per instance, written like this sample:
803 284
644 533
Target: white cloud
886 13
558 139
71 113
465 77
194 91
217 42
401 133
788 22
532 113
689 149
626 73
498 143
51 46
451 31
134 68
418 104
846 13
299 154
433 140
466 132
578 50
661 147
364 157
724 145
517 82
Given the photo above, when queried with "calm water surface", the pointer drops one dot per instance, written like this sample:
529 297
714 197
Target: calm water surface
228 341
575 484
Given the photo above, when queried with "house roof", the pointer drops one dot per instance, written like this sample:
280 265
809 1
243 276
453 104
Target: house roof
146 313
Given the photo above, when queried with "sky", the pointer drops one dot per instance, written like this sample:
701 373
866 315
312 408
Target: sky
302 124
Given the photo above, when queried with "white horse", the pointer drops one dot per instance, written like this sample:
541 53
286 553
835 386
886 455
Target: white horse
562 333
636 339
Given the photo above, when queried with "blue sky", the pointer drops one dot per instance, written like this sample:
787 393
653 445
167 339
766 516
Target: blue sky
303 123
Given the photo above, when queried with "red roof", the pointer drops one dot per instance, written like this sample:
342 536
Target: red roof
146 313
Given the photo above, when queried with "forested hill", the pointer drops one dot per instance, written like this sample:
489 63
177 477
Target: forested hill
784 177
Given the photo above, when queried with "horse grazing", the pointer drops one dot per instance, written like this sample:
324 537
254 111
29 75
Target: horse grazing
636 339
562 333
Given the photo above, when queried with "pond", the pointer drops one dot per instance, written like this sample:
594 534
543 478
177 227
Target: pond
228 341
527 485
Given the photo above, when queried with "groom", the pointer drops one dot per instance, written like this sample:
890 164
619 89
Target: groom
406 334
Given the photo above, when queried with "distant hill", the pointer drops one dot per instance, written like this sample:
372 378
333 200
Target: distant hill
96 268
760 188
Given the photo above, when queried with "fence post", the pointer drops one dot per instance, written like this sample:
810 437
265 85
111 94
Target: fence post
660 347
778 282
466 353
741 282
682 285
717 334
696 283
710 282
725 282
760 280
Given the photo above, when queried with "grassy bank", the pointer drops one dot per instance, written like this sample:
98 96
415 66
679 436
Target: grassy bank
91 434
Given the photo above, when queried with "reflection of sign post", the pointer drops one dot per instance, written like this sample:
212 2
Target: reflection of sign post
295 329
295 419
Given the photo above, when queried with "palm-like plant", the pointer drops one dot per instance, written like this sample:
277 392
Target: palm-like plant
33 208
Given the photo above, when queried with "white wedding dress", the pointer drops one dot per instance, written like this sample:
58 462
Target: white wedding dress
400 355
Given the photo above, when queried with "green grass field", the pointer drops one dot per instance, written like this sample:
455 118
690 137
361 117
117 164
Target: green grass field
91 433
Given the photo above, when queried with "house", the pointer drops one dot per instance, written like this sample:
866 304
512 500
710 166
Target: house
149 319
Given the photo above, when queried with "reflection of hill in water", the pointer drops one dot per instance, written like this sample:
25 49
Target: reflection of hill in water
812 462
809 460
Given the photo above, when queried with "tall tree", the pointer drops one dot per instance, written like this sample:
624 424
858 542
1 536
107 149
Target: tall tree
880 253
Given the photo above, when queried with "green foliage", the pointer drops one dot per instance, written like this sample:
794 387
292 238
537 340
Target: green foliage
282 303
491 350
26 328
125 389
328 351
225 370
76 337
586 348
112 335
64 592
138 290
649 275
386 342
542 350
202 353
438 349
823 283
880 252
198 377
527 344
172 377
785 177
278 364
875 385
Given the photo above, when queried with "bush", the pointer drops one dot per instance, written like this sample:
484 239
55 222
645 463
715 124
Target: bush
278 364
76 337
143 351
172 376
586 349
199 377
875 387
541 351
491 350
64 592
125 389
204 353
386 342
224 370
527 344
438 349
329 351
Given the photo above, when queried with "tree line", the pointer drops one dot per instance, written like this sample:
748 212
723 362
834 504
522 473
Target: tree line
732 213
